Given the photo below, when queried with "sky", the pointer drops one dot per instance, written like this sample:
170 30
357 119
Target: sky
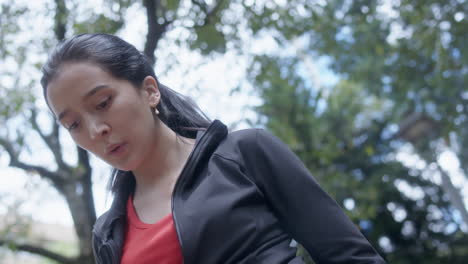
215 79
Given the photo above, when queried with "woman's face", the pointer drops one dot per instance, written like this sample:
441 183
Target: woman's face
105 115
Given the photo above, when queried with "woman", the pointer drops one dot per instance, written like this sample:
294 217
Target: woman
186 190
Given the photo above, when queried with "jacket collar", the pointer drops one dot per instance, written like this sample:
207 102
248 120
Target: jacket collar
205 144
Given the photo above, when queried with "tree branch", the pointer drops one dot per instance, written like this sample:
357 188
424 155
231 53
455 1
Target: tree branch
51 140
201 5
155 29
454 194
209 13
61 16
14 162
83 160
39 251
213 11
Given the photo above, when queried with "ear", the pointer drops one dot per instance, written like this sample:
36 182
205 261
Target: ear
151 91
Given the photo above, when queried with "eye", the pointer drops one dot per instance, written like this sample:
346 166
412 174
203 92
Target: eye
74 125
103 104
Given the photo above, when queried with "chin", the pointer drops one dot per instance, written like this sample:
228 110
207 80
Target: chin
122 167
129 166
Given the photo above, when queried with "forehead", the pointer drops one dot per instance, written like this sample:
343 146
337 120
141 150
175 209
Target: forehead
73 81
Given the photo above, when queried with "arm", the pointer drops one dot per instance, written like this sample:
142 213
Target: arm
306 211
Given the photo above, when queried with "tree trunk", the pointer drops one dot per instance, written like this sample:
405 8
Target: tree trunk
79 197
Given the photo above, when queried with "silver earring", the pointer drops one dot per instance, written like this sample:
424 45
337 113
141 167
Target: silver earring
156 111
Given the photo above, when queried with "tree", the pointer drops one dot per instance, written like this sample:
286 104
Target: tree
345 133
408 40
71 181
74 181
208 27
402 65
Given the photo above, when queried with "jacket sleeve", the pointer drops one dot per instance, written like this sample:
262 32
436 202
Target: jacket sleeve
304 210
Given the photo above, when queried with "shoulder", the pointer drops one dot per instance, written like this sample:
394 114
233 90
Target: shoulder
242 136
242 143
237 141
100 224
250 138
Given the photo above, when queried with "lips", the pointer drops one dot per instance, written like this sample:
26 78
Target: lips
115 148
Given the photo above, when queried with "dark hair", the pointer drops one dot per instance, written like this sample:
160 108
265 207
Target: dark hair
123 61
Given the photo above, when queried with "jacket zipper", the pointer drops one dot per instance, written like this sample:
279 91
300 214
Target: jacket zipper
109 254
174 215
177 228
174 192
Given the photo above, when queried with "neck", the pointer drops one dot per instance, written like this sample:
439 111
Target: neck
164 164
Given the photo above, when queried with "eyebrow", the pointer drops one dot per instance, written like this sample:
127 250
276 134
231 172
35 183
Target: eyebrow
87 95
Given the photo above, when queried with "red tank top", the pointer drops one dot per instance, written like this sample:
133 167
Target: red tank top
150 243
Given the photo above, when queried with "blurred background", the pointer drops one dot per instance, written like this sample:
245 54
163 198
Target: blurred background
371 95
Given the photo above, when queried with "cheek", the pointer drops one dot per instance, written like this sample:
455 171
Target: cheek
131 115
82 142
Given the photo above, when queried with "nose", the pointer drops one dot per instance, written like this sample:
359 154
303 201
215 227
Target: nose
98 129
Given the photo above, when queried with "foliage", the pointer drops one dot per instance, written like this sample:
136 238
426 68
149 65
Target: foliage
395 59
393 63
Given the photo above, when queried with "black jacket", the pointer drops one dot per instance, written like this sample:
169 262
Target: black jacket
241 198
